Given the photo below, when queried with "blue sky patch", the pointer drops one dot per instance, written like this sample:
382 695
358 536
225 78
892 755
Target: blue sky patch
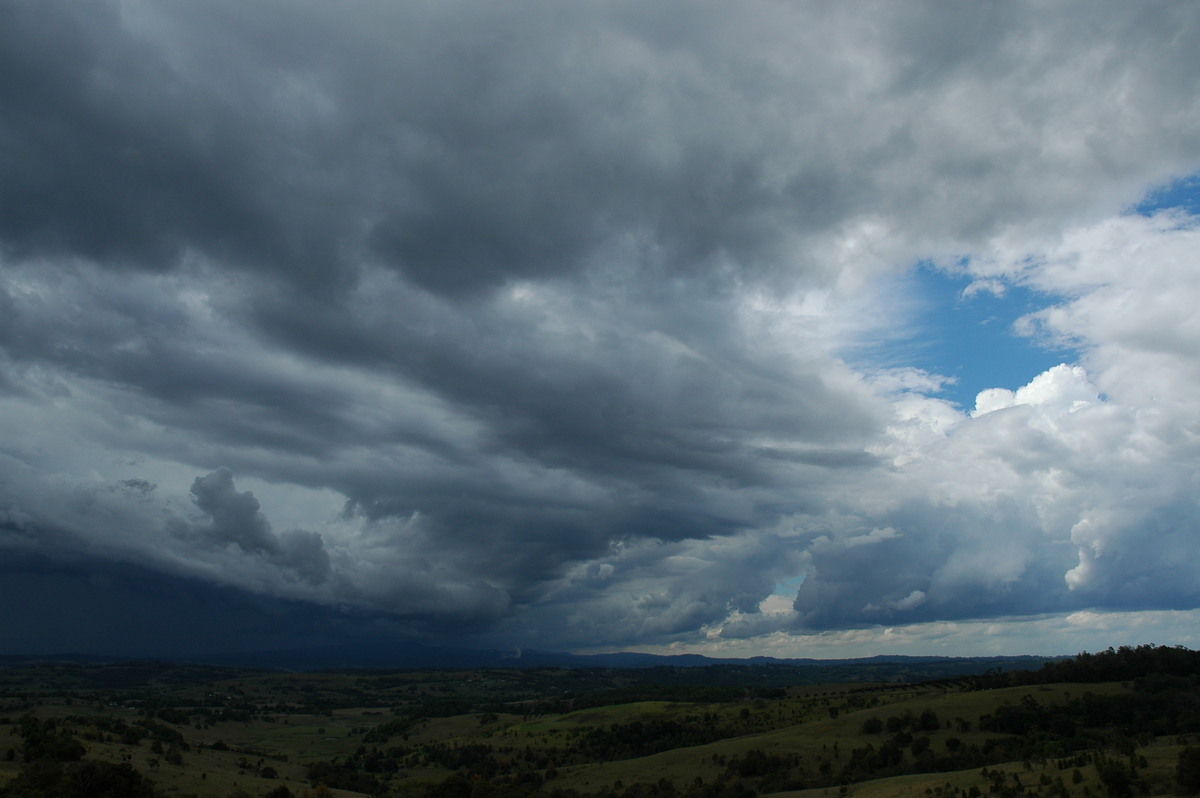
1183 194
972 338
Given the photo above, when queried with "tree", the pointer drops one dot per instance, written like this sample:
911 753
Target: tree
1116 779
48 779
107 780
1187 771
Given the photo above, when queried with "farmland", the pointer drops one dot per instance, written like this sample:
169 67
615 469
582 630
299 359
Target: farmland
158 729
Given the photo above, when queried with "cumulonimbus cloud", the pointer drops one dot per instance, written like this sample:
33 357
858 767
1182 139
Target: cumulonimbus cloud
518 314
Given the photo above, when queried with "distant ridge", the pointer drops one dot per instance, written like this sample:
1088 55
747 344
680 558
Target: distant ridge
416 655
406 655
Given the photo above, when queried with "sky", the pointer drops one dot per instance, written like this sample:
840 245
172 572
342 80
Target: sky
801 329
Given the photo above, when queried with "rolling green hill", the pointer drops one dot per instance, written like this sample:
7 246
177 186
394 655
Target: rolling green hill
150 729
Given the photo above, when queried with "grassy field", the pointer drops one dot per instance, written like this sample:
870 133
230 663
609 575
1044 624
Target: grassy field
430 734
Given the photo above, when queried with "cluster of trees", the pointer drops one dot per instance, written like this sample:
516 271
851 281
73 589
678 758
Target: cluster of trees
364 770
1112 665
367 768
926 721
53 766
463 786
345 775
643 738
1156 707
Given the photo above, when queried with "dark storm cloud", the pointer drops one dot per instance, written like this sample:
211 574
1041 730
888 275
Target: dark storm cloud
236 519
448 153
235 516
551 302
466 145
101 158
123 609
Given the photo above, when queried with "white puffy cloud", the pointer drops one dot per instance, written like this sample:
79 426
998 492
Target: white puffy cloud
1062 389
1075 490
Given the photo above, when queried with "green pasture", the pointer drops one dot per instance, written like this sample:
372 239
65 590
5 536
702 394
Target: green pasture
287 721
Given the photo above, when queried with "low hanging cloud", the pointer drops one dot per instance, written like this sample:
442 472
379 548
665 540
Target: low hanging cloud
545 324
236 520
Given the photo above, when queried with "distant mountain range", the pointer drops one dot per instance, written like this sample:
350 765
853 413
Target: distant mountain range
400 655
